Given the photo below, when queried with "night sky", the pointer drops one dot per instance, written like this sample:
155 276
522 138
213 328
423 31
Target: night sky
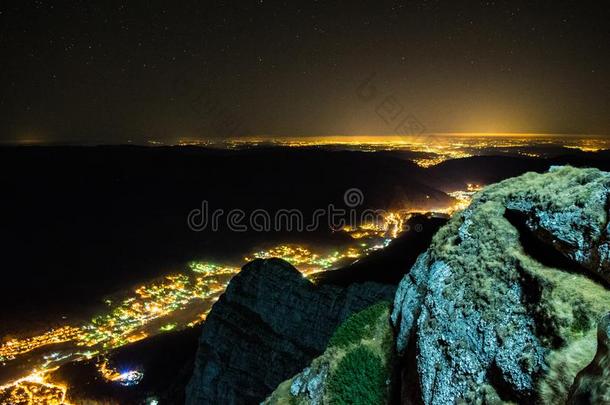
151 70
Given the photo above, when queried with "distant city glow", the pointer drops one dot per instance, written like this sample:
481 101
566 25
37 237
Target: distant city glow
429 149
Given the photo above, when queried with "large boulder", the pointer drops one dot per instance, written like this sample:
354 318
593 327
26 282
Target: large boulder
565 213
269 324
489 314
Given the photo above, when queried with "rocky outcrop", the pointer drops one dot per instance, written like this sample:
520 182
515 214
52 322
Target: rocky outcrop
356 368
592 384
573 221
269 324
482 318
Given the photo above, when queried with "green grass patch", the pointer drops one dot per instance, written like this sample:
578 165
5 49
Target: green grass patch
361 325
359 379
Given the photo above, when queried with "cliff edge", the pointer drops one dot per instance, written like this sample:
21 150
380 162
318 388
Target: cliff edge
269 324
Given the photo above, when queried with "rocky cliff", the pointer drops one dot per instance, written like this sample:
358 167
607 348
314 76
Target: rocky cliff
269 324
504 304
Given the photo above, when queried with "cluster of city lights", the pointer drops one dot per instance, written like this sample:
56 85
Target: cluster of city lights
463 197
125 378
304 259
127 322
212 268
34 389
387 226
14 347
132 319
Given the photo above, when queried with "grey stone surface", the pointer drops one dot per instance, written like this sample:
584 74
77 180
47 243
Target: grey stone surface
456 347
463 316
311 382
574 229
268 326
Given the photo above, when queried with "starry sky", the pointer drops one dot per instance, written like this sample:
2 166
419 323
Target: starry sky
139 71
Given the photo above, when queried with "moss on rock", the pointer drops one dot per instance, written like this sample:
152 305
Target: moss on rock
359 379
361 325
356 368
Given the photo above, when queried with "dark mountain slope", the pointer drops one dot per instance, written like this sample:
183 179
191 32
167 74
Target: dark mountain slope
268 325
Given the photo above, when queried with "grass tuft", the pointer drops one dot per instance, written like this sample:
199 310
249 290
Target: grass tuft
359 379
360 325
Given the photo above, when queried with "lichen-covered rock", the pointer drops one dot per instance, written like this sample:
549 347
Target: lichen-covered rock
356 368
480 321
568 212
310 383
307 387
269 324
592 384
408 300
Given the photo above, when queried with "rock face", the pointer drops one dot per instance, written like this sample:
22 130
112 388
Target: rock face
575 227
356 368
479 320
592 384
268 325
